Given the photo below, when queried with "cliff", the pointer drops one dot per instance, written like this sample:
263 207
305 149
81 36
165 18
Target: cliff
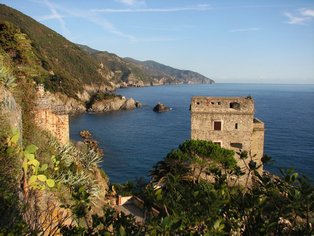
10 109
29 174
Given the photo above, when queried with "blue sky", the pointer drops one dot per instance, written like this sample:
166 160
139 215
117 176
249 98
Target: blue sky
263 41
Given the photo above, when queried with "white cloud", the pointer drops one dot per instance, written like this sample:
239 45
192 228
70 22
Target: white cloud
244 29
48 17
171 28
59 13
87 15
301 17
108 26
307 12
202 7
295 20
131 2
156 39
55 15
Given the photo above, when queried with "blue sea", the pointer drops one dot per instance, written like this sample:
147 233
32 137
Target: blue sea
133 141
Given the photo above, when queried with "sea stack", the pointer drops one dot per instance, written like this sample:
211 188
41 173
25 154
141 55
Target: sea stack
161 108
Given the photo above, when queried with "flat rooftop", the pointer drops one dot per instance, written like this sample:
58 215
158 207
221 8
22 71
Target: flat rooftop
239 105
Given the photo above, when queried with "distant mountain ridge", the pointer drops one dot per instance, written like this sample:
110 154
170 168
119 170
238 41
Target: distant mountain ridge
149 72
160 70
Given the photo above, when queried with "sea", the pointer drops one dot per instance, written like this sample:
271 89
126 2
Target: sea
134 141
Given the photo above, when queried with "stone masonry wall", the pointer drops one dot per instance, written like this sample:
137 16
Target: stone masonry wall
58 125
257 142
239 129
237 124
50 117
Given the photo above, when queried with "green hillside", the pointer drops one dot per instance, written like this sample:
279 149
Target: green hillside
38 52
127 69
159 70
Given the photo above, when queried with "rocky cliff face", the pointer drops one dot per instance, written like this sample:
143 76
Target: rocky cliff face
9 109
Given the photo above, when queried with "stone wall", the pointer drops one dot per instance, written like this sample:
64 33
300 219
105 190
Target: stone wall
257 142
238 128
236 124
50 117
57 124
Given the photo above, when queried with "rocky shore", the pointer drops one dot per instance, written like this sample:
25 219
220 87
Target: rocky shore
114 104
98 102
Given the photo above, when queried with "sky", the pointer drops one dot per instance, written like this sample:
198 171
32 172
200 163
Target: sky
233 41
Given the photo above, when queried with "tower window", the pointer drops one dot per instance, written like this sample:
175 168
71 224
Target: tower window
235 105
217 125
236 145
236 126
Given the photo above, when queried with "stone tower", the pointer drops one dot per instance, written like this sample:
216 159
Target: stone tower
230 123
51 117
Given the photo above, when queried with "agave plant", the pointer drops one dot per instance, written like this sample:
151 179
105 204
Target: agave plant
94 192
8 100
81 175
73 179
68 154
6 79
90 159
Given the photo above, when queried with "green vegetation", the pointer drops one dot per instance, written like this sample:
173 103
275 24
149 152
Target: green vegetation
189 187
70 172
45 56
6 79
146 71
192 206
47 188
37 179
271 206
11 209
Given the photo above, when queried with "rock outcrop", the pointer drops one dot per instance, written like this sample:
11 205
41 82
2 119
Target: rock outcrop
114 104
129 104
161 108
72 106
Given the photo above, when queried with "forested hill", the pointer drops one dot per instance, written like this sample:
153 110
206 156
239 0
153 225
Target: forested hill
33 50
159 70
149 72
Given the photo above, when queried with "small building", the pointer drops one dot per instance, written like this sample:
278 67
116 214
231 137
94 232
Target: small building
230 123
132 205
